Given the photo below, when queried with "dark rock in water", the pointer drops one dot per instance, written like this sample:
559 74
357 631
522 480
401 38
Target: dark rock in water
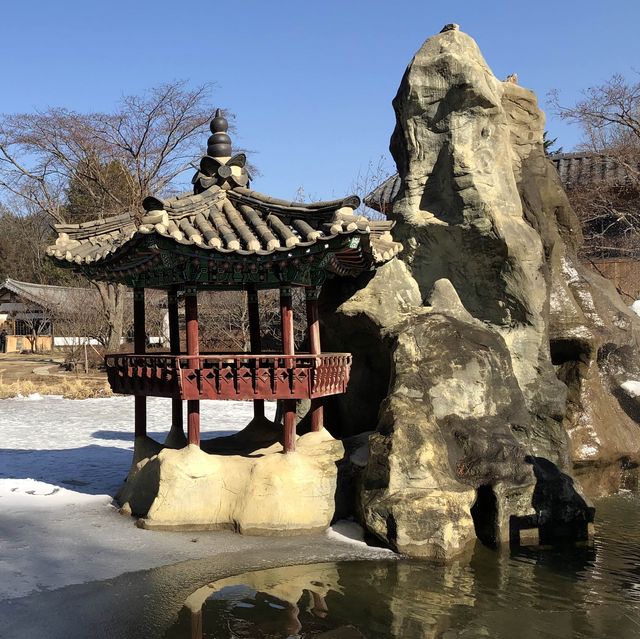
487 360
562 514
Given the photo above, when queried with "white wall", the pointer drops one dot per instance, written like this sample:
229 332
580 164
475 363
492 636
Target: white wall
74 341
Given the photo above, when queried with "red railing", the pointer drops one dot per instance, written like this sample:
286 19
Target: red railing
230 375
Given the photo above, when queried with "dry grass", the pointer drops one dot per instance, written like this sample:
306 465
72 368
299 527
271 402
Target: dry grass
70 388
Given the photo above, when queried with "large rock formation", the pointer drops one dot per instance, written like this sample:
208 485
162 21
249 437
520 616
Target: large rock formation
262 492
487 361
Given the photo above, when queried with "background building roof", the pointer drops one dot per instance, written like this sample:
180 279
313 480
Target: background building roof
46 295
573 169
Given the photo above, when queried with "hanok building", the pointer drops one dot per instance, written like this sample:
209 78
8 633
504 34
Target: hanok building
28 313
616 253
222 237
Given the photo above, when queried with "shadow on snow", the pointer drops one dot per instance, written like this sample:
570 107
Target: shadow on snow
94 470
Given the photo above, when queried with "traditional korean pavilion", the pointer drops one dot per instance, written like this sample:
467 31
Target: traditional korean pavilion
221 237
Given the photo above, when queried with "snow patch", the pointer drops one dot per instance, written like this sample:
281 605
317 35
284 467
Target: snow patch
349 532
30 493
579 332
635 307
570 273
621 322
631 387
86 444
33 397
588 307
61 462
587 451
560 301
585 424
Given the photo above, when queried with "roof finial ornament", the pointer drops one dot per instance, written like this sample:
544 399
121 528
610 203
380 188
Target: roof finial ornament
219 144
219 168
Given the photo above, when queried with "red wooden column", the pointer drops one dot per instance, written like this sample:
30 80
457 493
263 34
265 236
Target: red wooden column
256 343
313 334
139 348
177 421
193 348
288 348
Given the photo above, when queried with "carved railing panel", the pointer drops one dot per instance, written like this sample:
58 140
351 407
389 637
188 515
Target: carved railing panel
230 376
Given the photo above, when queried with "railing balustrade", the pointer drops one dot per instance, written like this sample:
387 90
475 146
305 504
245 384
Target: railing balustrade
230 375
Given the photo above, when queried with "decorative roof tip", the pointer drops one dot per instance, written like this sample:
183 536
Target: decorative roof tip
450 27
219 167
219 144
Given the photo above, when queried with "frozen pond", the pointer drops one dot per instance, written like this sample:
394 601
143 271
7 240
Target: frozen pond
62 541
86 445
61 462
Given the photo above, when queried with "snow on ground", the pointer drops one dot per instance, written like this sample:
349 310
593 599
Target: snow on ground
61 461
86 445
350 532
632 388
635 307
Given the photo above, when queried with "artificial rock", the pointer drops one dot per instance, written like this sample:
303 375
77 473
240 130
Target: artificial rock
265 492
488 362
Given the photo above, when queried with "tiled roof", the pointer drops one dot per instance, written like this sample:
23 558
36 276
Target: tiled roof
238 221
225 222
588 168
46 295
381 198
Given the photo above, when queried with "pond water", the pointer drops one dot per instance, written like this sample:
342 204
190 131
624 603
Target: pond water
589 591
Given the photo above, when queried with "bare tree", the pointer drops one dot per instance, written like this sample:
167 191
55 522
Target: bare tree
367 180
224 320
23 240
80 320
73 166
609 116
156 317
32 322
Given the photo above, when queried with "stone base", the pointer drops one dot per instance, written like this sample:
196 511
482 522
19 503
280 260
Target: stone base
265 492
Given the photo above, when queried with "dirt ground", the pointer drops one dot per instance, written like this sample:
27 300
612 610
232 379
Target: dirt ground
35 373
16 366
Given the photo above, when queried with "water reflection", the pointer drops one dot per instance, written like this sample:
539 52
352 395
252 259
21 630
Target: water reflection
588 591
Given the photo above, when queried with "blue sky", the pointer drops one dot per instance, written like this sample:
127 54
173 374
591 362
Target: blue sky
311 83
